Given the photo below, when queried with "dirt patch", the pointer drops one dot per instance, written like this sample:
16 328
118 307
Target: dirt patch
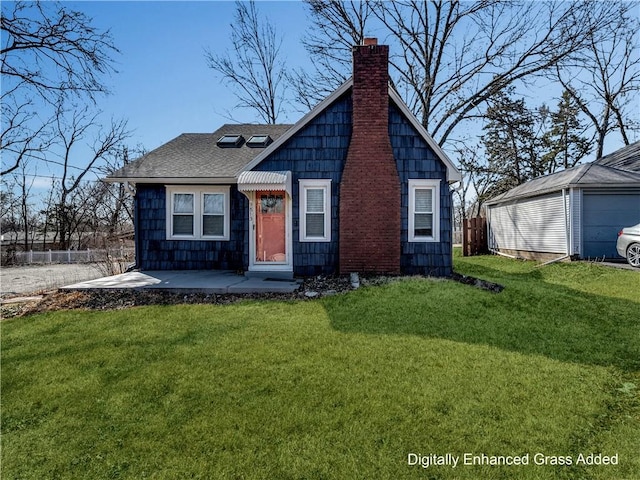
477 282
114 299
110 299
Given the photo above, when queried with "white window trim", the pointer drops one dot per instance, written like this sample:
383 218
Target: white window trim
434 185
307 184
198 200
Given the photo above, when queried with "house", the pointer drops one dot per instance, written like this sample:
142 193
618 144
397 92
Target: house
576 212
357 185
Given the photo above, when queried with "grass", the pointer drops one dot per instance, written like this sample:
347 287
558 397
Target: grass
344 387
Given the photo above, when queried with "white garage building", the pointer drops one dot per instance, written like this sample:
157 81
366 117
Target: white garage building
576 212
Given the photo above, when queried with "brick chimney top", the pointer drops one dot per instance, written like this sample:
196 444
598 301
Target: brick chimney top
370 41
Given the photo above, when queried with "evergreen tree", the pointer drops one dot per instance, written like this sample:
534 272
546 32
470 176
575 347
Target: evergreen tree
513 142
564 140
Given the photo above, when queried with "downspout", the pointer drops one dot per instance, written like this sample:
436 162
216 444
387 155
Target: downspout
567 237
559 259
131 189
136 227
497 252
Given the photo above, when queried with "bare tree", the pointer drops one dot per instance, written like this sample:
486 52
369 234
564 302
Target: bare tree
72 129
336 27
93 211
452 56
462 195
604 78
27 217
24 135
48 51
478 178
115 210
53 49
48 212
254 68
457 55
9 205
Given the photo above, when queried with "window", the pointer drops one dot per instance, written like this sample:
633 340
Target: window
213 214
230 141
424 210
259 141
182 214
198 213
315 210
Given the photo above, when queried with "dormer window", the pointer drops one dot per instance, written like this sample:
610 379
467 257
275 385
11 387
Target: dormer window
259 141
230 141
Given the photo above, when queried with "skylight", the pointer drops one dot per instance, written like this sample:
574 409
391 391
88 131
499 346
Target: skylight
230 141
259 141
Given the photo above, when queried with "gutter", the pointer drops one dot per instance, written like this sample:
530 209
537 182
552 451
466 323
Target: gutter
539 193
175 180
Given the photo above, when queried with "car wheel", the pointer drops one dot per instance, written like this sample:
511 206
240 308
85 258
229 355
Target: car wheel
633 255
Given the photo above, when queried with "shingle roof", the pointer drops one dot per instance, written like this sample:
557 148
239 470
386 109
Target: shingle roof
627 158
453 174
621 168
195 156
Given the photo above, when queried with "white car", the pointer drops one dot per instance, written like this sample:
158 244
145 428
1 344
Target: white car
628 245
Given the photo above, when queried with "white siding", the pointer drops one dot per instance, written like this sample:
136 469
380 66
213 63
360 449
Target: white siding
533 224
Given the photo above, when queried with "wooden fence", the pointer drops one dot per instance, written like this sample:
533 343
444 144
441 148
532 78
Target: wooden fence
474 236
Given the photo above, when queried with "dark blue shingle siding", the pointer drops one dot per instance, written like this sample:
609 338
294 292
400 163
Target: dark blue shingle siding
158 253
416 160
318 151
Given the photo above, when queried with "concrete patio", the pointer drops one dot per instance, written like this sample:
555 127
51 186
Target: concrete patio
189 281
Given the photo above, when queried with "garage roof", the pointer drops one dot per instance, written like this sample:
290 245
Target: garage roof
620 169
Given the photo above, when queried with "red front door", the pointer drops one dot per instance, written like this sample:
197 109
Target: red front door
270 227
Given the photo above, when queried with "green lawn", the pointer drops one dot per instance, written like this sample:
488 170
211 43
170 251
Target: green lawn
345 387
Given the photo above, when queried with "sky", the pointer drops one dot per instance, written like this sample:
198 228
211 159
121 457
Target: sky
163 85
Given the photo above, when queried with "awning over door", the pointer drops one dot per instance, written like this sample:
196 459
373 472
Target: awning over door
254 181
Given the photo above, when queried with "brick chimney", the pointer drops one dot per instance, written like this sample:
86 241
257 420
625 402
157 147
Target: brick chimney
370 187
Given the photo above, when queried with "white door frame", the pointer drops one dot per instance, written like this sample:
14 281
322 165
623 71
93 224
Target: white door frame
287 265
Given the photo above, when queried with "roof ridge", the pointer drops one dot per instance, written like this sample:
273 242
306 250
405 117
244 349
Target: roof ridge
575 179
